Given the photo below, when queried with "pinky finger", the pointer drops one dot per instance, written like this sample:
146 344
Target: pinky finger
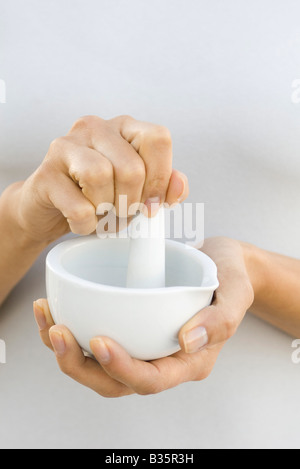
43 319
82 369
178 189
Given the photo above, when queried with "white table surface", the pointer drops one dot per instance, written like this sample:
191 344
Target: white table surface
251 400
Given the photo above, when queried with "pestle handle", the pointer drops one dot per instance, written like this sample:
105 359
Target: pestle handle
146 264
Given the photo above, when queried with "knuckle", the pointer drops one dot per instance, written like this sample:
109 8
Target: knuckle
106 171
125 118
164 134
83 230
57 145
148 389
230 328
81 214
120 124
86 122
202 375
68 369
160 137
97 174
133 174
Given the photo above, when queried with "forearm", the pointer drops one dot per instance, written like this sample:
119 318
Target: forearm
276 282
18 250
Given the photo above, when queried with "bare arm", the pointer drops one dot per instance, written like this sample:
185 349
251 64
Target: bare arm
276 283
18 250
251 279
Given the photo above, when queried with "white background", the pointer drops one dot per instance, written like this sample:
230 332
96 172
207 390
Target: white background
219 74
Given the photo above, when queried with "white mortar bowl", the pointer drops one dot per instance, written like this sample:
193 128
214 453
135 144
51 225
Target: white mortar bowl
86 291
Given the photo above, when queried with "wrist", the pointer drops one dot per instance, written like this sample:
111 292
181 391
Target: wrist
13 220
255 261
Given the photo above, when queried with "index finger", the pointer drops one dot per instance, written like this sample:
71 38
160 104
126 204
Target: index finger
143 377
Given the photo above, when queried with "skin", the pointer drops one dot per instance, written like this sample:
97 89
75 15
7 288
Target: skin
94 163
97 161
250 278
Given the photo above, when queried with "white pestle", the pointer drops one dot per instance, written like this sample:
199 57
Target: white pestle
146 264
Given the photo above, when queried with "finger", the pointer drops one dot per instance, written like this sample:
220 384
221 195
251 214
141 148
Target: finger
199 364
93 173
88 168
218 322
43 319
68 198
129 171
154 145
143 377
129 168
82 369
178 189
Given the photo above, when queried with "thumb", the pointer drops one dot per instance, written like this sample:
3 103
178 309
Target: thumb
217 323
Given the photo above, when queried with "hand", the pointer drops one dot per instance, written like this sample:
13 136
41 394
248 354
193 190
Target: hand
96 162
114 373
238 280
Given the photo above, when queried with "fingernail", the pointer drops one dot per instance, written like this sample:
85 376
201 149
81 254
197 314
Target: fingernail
195 339
181 197
39 316
101 350
58 342
152 206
